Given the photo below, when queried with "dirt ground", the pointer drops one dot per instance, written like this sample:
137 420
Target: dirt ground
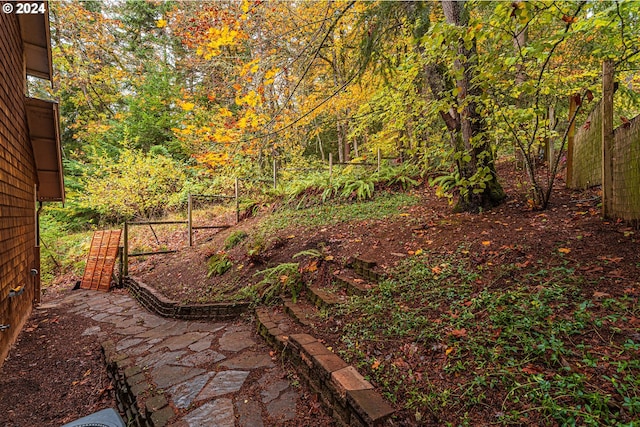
572 221
55 375
570 233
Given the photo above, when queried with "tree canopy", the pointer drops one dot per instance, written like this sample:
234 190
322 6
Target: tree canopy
223 88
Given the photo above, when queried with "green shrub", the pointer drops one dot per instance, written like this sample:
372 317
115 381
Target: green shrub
234 238
218 264
134 185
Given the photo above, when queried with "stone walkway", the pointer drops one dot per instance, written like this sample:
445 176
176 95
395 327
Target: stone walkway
214 374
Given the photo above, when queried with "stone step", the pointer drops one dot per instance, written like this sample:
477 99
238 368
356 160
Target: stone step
352 285
268 327
302 312
365 269
325 298
342 389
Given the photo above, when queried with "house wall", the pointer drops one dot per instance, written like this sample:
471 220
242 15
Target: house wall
17 180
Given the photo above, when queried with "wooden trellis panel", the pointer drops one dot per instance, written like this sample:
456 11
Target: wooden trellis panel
101 260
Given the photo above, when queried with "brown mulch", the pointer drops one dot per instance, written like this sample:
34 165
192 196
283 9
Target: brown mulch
53 374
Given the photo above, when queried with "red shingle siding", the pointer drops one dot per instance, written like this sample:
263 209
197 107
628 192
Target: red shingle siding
17 179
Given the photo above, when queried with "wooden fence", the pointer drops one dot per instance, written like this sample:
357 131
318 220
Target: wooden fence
625 194
586 165
188 223
603 156
332 163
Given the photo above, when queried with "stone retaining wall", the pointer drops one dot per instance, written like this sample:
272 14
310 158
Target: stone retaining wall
134 392
162 306
350 398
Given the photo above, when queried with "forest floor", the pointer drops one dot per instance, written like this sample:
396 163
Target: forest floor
507 317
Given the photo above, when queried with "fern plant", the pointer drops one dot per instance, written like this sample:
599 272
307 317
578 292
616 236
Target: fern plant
311 253
446 185
279 280
362 189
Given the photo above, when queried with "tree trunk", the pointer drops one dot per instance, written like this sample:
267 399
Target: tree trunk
472 127
341 149
519 42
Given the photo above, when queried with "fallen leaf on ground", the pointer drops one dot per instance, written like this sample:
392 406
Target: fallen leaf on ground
459 333
611 259
532 369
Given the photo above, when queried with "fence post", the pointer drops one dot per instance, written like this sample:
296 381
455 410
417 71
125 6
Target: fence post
125 251
190 220
551 155
121 269
237 202
330 166
379 160
275 174
570 140
607 137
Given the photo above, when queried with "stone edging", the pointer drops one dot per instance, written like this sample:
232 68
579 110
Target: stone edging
162 306
350 398
130 383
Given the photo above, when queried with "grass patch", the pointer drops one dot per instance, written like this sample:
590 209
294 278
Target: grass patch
384 205
62 251
234 239
537 350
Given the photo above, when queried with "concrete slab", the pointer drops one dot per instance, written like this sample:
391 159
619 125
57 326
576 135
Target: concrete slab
178 328
127 342
236 341
98 317
202 344
183 394
249 360
93 330
132 330
218 413
201 358
114 319
223 383
249 414
206 327
79 308
283 408
273 390
167 375
179 342
127 323
157 332
151 320
160 359
137 350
